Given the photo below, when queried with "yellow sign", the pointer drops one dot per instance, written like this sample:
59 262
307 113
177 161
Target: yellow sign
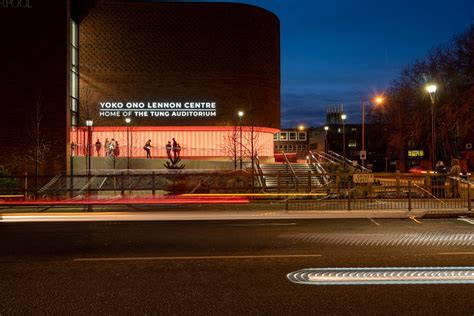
363 178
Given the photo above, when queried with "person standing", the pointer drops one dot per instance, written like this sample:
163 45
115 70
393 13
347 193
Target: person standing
117 149
106 147
112 148
147 148
98 146
454 174
168 150
178 150
175 148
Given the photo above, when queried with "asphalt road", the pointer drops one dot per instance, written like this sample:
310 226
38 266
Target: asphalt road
227 267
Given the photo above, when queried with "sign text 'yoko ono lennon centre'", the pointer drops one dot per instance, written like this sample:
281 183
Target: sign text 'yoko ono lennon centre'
140 70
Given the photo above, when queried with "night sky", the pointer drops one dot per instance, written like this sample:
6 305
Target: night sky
336 52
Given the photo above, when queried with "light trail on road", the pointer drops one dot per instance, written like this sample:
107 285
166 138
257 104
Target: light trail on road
391 275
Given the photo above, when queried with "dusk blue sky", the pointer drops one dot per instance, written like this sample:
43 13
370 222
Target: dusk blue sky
336 52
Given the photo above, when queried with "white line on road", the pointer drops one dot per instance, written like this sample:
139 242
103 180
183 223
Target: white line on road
197 257
465 219
373 221
455 253
262 224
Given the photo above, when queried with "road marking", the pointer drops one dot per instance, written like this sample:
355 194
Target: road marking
455 253
465 219
414 219
262 224
373 221
197 257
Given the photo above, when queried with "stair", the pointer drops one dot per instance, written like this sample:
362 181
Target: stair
287 180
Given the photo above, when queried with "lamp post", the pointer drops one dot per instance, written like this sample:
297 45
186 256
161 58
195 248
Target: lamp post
240 114
377 100
128 120
343 117
326 128
89 124
431 88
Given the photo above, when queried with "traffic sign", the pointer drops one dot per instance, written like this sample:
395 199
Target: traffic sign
363 155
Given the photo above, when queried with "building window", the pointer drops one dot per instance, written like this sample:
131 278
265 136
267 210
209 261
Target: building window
74 73
292 135
353 129
275 136
352 143
283 135
302 136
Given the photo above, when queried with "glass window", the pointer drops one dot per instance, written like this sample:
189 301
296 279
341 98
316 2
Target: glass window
275 136
74 85
292 135
354 129
73 105
74 34
283 136
352 143
73 119
301 136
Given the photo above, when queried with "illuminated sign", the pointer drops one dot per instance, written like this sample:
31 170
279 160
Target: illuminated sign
416 153
157 109
15 4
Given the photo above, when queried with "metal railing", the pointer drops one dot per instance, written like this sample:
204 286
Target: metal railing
289 167
384 191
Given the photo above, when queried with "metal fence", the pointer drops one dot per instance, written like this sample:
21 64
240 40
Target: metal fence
331 191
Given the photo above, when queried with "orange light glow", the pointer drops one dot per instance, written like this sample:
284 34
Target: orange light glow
378 100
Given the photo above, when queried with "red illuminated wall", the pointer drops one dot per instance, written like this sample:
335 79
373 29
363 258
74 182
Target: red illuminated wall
203 142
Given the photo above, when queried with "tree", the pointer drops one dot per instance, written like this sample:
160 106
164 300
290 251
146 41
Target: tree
39 144
407 113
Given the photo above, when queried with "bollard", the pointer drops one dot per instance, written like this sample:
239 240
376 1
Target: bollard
397 182
409 195
25 186
122 184
153 183
309 181
469 202
278 181
348 196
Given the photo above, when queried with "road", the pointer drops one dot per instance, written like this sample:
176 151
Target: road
227 267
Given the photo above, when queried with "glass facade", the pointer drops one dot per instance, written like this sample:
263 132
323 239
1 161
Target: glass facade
74 73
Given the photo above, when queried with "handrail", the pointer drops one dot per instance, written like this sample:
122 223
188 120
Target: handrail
258 168
329 158
288 164
348 161
319 167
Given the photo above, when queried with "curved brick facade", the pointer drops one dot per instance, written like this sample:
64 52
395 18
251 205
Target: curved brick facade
217 52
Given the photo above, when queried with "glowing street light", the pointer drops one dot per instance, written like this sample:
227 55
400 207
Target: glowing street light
89 124
344 117
326 128
240 114
432 88
128 120
378 100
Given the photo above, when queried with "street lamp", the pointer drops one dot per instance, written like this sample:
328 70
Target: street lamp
326 128
240 114
431 88
343 117
128 120
89 124
378 100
